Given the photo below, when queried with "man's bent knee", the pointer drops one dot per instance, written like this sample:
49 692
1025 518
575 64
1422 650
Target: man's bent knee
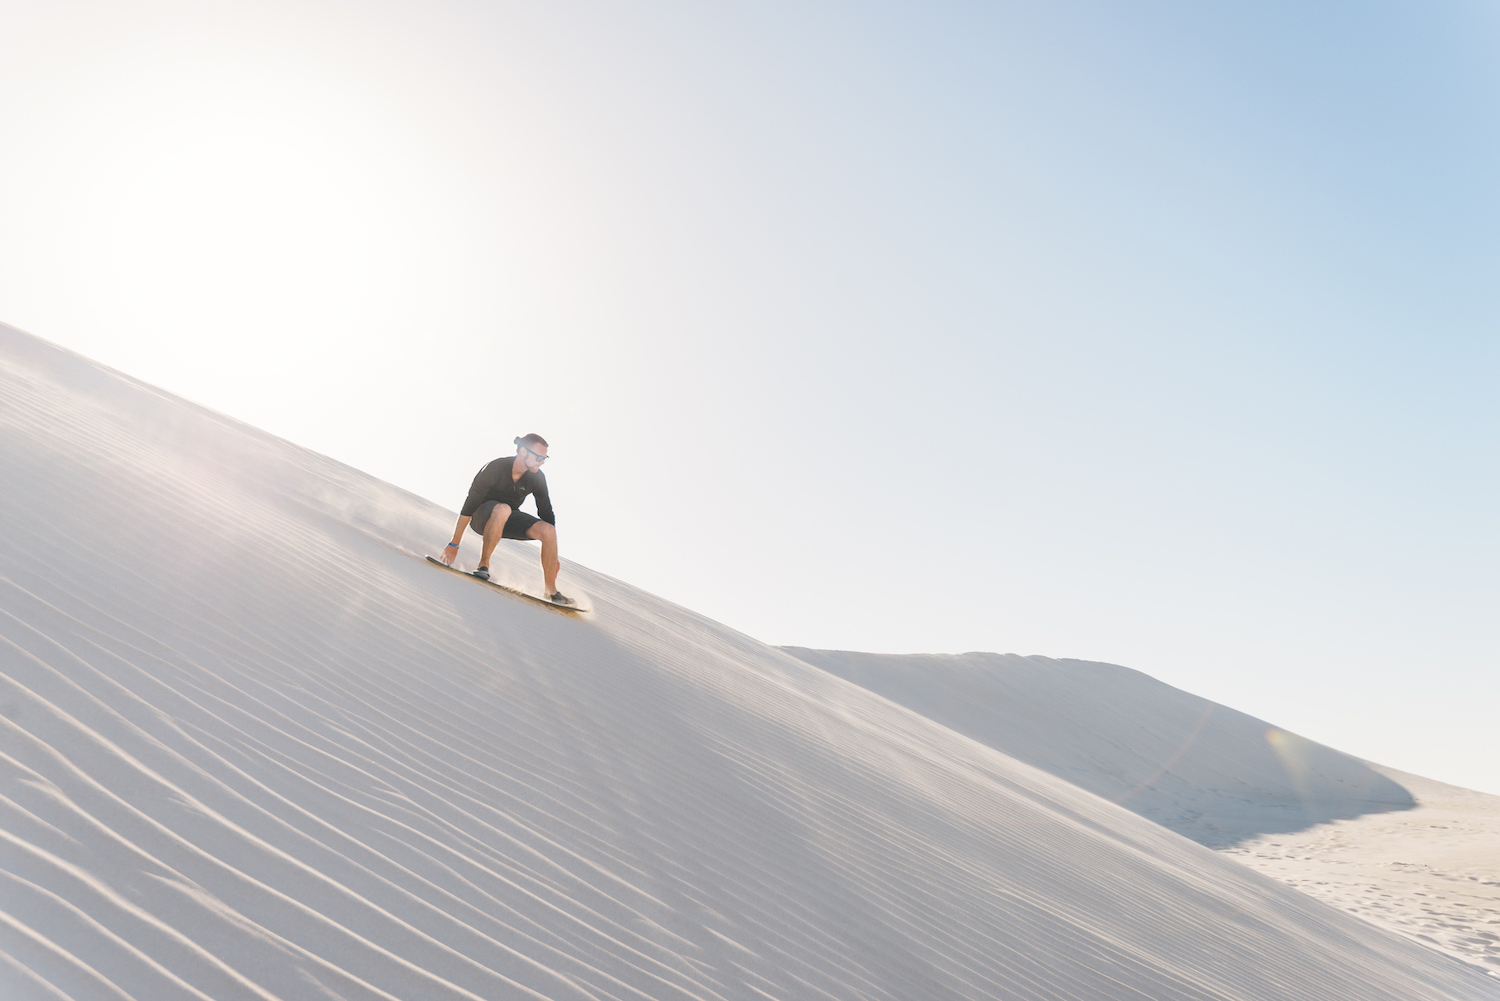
543 532
498 517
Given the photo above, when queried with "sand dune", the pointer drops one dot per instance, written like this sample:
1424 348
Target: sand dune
1432 872
1204 770
255 747
1415 856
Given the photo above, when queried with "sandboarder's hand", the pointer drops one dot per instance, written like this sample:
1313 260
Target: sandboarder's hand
450 553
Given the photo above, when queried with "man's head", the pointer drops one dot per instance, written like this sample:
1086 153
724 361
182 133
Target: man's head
532 448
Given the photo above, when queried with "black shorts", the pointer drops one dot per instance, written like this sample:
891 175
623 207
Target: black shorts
516 526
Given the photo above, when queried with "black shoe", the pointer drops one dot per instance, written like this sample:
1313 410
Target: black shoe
483 573
558 598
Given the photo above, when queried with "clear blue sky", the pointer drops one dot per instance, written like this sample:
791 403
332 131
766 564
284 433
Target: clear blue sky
1156 333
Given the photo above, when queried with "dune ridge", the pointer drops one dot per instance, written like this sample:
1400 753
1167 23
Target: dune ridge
1204 770
1414 856
255 747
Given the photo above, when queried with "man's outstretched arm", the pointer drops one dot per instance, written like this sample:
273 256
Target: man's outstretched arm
544 501
483 481
450 551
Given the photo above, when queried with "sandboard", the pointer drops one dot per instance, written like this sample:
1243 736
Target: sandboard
509 590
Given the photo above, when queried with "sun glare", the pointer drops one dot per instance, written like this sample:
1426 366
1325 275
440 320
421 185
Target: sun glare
242 171
238 210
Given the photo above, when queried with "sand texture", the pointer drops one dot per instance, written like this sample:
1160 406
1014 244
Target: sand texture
1204 770
1432 872
254 746
1411 855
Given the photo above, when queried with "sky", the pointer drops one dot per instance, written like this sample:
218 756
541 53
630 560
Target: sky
1157 333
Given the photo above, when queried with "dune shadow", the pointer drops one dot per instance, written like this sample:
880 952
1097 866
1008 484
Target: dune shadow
1212 774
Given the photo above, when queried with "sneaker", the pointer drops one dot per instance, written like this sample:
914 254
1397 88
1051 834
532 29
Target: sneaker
558 598
483 573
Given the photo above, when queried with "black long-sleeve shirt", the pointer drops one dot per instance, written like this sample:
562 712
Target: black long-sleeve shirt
494 482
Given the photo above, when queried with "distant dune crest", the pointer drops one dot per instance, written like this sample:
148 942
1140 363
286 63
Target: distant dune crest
1204 770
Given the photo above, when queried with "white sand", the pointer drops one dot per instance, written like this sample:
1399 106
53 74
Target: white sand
1411 855
255 747
1432 873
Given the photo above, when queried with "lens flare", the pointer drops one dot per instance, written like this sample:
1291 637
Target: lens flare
1292 751
1166 766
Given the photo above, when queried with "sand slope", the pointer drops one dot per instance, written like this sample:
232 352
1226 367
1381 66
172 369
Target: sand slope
1204 770
255 747
1415 856
1432 872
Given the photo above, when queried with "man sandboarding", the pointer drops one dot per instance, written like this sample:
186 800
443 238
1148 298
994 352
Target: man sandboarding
493 510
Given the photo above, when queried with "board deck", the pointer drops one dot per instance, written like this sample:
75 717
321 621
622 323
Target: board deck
509 590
